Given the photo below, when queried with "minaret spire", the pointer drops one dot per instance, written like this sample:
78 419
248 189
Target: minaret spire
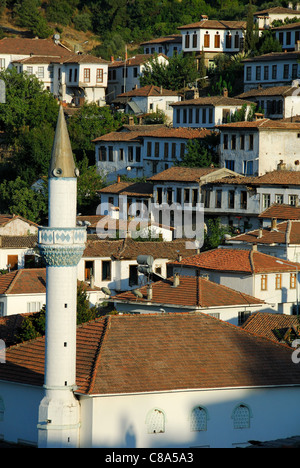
61 245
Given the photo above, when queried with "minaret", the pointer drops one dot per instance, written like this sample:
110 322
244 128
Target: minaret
61 245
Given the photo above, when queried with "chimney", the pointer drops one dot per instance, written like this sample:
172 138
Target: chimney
118 179
112 59
179 258
176 280
281 166
225 92
274 224
260 233
254 247
204 17
130 120
149 293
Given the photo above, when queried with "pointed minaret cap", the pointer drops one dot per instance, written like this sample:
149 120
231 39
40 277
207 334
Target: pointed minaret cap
62 162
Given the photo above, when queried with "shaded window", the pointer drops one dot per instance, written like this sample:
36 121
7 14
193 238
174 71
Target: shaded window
88 269
12 262
133 275
231 194
155 422
241 417
106 270
198 419
217 41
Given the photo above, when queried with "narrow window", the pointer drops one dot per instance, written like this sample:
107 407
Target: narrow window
155 422
198 419
241 417
278 281
264 282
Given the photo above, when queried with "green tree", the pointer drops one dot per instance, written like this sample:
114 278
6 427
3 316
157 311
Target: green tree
201 153
214 235
29 16
251 36
88 183
174 75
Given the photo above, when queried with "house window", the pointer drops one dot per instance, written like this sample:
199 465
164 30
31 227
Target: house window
1 309
264 283
274 72
194 197
12 262
231 194
133 275
258 73
2 409
237 41
187 41
135 72
110 153
87 75
242 317
295 71
155 422
229 164
228 41
121 154
99 75
279 198
138 154
149 148
173 150
241 417
293 200
278 281
195 41
182 149
102 153
233 142
248 73
286 70
242 142
75 75
266 200
106 270
243 200
166 150
218 198
33 306
29 70
206 40
156 149
40 72
198 419
251 139
266 73
204 115
178 116
293 280
88 270
159 195
217 41
2 63
210 115
225 142
191 115
70 74
178 196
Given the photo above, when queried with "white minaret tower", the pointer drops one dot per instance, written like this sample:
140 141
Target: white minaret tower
61 245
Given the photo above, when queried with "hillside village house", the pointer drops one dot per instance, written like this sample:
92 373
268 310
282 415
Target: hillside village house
273 69
147 100
212 37
113 263
142 150
281 239
276 102
24 291
264 18
254 148
168 45
71 77
189 294
124 75
279 212
238 201
195 381
248 271
288 35
207 112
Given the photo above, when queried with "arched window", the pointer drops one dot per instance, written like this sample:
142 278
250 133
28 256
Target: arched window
198 419
241 417
155 421
2 408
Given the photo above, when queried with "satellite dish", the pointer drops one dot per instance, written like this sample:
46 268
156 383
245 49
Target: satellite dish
137 293
106 291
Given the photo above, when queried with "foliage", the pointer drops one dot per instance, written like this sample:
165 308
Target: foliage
29 16
84 311
158 117
112 46
200 153
88 183
214 236
268 43
175 74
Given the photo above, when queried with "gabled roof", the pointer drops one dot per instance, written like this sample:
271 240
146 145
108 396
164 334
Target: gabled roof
138 189
126 354
279 10
183 174
261 124
274 56
237 260
8 218
286 233
138 59
177 38
191 292
270 91
214 101
281 211
275 327
278 177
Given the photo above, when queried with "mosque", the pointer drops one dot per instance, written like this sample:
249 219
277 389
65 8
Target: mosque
145 381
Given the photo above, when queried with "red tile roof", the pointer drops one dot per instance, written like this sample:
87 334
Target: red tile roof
215 24
138 59
191 292
287 232
139 189
149 90
149 353
183 174
162 132
215 101
279 177
275 327
23 46
272 91
281 211
262 124
237 260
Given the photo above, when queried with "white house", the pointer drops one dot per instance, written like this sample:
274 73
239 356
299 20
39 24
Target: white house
207 112
124 75
24 290
152 381
142 150
260 146
273 69
276 102
113 263
288 35
264 18
239 201
168 45
18 252
248 271
189 294
212 37
148 99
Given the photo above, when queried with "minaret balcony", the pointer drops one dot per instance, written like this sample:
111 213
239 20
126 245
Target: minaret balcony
62 246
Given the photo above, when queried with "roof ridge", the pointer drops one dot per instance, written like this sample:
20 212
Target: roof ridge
13 281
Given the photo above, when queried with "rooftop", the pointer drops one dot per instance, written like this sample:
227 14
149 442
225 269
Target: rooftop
125 354
286 232
271 91
276 327
191 292
262 124
278 177
183 174
23 46
237 260
206 23
138 59
149 90
215 101
283 212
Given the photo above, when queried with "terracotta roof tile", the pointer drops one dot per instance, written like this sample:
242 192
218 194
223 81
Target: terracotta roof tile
161 40
262 124
237 260
162 132
286 232
24 46
143 353
182 174
191 292
9 327
139 189
272 91
281 211
271 326
279 177
215 101
215 24
274 56
138 59
149 90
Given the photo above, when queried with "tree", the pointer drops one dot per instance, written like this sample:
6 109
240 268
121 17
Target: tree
89 181
251 36
214 236
201 153
174 75
29 16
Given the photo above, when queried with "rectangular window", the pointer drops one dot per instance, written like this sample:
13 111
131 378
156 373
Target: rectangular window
228 41
279 198
242 142
295 71
248 73
88 270
278 281
12 262
243 200
106 270
29 70
266 200
166 150
110 153
195 41
231 194
293 281
217 41
225 142
40 72
178 116
206 40
182 149
33 306
70 74
251 139
210 115
130 153
135 72
159 195
1 314
191 115
266 73
233 142
133 275
242 317
187 41
173 150
258 73
178 196
286 71
264 282
229 164
274 72
156 149
99 75
218 198
2 63
138 154
102 153
121 154
87 75
149 148
293 200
